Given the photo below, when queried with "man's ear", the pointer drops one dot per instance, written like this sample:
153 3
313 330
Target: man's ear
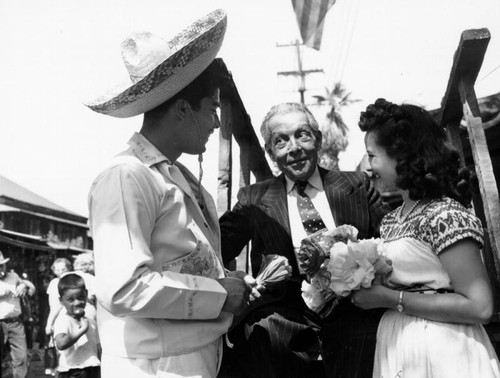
269 152
319 140
181 108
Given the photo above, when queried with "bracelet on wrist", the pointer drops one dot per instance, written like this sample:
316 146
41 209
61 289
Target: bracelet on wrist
401 305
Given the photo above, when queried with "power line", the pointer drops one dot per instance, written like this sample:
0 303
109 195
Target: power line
300 72
489 73
349 39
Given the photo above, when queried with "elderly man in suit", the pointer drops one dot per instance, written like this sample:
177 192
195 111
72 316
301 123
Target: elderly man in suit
275 339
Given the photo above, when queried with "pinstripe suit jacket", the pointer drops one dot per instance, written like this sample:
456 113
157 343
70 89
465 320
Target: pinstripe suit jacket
261 215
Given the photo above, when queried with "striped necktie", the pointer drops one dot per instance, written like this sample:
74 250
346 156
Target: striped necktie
311 220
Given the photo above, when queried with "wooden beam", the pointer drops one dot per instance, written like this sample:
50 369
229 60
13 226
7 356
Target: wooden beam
484 168
467 62
224 188
460 101
242 128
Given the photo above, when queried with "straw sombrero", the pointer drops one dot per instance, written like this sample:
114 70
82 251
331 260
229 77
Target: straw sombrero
159 69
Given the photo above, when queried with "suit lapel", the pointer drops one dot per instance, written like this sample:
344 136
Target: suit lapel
339 194
276 234
274 202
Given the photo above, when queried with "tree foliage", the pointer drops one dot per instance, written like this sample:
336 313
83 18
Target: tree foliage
334 129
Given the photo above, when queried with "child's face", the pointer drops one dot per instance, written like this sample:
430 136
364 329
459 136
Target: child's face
60 268
74 301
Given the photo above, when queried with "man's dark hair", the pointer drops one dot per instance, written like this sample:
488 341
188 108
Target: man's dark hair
70 281
203 86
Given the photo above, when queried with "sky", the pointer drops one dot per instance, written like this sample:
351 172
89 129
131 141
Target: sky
58 53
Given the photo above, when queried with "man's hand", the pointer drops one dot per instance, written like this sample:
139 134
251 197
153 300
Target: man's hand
238 294
256 290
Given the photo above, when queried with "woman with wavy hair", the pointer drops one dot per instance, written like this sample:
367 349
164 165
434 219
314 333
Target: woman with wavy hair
438 294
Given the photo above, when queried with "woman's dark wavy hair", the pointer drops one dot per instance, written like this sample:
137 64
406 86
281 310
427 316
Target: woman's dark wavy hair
427 166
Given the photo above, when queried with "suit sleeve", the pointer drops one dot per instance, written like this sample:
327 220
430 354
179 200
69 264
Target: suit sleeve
235 226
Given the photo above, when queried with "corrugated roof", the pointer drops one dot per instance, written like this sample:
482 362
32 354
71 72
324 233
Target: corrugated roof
35 242
15 191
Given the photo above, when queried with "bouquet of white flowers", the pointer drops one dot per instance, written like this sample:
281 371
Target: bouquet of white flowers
336 263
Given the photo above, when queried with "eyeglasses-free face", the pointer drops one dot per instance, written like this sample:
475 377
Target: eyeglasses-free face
294 145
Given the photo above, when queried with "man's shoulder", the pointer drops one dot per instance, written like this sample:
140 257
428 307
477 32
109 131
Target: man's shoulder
125 161
123 165
13 277
346 174
10 278
259 188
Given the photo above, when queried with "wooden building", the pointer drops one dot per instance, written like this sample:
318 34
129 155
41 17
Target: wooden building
33 233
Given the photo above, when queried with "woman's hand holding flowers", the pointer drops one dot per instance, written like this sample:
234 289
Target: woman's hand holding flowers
337 264
374 297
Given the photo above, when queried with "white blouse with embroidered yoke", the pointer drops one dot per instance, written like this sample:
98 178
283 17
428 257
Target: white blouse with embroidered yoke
410 346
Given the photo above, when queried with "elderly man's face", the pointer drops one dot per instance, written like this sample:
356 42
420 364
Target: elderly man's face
293 145
3 270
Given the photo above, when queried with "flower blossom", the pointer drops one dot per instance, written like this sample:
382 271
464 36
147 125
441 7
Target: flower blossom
336 263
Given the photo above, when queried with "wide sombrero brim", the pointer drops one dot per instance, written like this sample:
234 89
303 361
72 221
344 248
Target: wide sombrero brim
196 47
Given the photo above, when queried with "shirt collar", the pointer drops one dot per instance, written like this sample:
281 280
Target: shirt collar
146 151
314 180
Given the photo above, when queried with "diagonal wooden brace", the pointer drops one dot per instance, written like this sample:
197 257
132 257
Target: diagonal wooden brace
460 100
482 162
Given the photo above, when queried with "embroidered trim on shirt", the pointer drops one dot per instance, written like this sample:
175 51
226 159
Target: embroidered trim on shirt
148 152
190 302
440 223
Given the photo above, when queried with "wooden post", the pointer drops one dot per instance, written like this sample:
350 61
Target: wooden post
482 161
301 73
224 188
460 100
235 122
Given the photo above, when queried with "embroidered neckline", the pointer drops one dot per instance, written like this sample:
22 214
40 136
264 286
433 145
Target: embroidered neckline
402 218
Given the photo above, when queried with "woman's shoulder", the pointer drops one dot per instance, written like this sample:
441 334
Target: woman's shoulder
445 221
447 209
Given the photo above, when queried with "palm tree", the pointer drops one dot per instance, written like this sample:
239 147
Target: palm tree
333 127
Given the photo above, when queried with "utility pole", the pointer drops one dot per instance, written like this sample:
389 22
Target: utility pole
300 71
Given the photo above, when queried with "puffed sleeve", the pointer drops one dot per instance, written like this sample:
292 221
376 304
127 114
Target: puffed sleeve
450 224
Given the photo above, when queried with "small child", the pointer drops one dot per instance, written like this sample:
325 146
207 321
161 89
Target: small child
59 267
75 335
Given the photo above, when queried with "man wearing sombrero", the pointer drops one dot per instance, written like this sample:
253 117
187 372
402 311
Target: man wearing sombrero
164 299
